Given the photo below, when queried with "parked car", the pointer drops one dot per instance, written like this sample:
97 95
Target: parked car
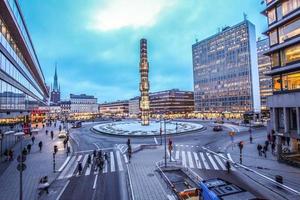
62 134
217 128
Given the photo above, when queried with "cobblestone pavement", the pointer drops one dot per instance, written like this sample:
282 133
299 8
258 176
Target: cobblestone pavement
38 164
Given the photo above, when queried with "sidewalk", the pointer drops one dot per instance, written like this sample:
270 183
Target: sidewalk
38 164
268 166
146 182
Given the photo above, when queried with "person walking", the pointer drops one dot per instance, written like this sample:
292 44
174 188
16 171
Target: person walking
288 141
79 168
259 147
89 160
28 148
52 134
267 145
24 152
273 148
32 139
40 145
11 155
265 151
269 137
46 132
228 166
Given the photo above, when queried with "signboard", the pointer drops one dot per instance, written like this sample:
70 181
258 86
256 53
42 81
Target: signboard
21 167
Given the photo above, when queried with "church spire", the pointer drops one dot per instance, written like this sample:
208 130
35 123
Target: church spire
55 84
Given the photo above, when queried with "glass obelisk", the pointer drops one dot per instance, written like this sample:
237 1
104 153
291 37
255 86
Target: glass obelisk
144 84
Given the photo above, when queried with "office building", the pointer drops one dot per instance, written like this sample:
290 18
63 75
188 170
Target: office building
284 35
172 101
22 83
83 104
134 107
55 90
264 66
225 72
116 108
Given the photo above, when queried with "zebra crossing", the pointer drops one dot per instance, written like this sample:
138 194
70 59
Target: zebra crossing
199 160
112 165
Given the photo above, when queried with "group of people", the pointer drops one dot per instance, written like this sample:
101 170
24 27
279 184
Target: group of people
99 158
271 141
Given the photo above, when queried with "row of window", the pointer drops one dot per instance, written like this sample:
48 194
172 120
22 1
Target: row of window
21 25
286 82
282 10
286 56
12 98
285 32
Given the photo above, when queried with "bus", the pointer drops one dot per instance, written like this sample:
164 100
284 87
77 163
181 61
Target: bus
218 189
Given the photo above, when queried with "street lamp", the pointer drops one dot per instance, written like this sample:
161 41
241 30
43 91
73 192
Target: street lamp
165 142
21 165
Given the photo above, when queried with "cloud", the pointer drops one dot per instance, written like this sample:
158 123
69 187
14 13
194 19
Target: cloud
117 14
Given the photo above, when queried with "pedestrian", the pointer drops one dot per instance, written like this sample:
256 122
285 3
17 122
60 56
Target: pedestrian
43 125
269 137
100 154
265 151
24 152
274 139
28 148
52 134
46 132
40 145
267 144
11 155
59 128
259 147
32 139
228 166
288 141
251 139
273 148
89 160
65 143
106 156
79 168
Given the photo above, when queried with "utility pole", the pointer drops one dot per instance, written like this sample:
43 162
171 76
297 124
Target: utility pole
160 131
241 145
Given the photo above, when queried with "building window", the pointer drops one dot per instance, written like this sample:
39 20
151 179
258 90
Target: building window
289 6
275 59
276 83
291 81
293 118
279 12
289 30
271 16
291 54
273 37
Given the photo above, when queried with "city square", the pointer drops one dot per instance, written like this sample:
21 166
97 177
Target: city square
149 100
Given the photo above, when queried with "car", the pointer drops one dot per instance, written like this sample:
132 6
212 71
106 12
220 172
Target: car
77 124
62 134
219 122
217 128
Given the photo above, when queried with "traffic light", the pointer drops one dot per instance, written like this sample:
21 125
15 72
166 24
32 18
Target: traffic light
55 149
241 145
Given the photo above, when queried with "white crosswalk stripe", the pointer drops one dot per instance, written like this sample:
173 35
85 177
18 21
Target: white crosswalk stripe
177 155
198 164
183 159
191 164
206 166
212 161
112 162
112 165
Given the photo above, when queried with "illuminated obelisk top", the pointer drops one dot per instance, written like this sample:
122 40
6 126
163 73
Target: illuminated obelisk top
144 84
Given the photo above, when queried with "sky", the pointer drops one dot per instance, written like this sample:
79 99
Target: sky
95 43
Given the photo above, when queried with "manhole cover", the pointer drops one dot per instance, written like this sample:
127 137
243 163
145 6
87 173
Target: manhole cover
150 175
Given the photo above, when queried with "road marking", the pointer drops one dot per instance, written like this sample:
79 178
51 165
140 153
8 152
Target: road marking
125 158
192 146
197 146
62 175
112 162
88 151
62 191
177 155
183 158
105 167
206 166
95 182
79 158
65 163
220 162
85 160
98 147
119 161
198 164
187 146
88 170
215 166
155 140
181 145
72 170
171 197
229 157
191 164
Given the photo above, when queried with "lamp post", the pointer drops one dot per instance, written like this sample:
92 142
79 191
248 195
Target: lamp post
165 142
21 165
160 130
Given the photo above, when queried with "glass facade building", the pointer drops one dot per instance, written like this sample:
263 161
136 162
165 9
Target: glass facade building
226 73
264 66
22 83
284 35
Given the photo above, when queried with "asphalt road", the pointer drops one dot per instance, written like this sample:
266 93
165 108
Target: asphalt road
111 184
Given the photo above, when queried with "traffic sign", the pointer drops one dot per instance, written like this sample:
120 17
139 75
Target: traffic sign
21 167
21 158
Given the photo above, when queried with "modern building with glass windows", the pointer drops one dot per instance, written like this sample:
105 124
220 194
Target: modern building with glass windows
264 66
284 34
22 83
225 72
